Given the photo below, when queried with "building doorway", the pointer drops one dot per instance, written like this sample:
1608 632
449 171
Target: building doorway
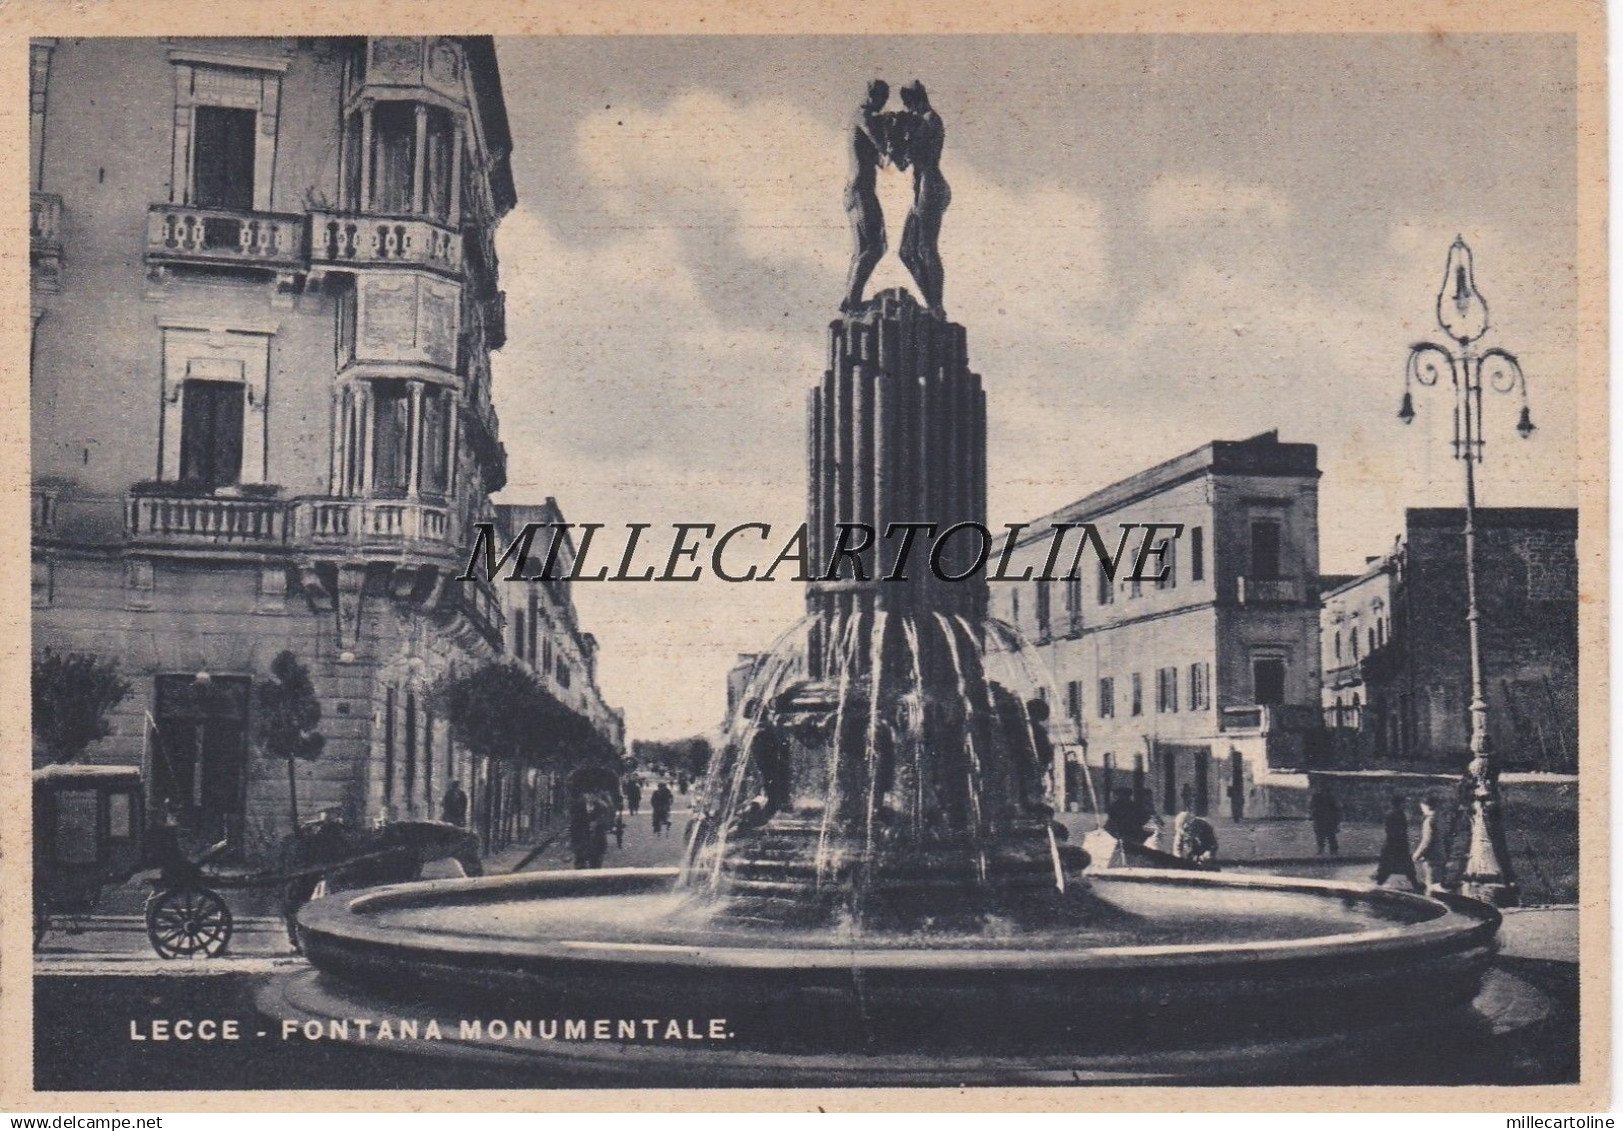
1236 786
200 756
1268 680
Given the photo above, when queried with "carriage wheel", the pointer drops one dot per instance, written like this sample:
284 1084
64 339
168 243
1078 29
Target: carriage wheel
188 922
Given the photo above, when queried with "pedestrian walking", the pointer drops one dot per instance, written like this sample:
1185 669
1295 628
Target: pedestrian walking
1431 854
1395 857
590 816
1325 813
454 805
660 803
633 794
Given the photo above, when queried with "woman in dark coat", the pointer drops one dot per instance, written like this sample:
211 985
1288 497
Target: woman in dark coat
1395 855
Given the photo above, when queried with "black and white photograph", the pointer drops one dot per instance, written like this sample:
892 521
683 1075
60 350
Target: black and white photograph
852 554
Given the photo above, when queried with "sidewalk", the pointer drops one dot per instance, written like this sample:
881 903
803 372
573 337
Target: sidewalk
641 849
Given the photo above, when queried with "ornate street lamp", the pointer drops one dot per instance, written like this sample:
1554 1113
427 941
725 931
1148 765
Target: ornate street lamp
1463 314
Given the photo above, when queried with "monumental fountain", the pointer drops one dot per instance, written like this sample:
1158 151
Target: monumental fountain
875 889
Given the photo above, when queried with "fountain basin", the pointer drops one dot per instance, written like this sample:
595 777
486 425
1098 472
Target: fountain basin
1177 963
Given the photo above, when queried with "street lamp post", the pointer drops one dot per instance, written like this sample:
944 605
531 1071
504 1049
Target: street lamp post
1463 314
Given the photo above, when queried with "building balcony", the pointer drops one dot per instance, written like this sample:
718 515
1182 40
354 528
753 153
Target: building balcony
479 601
496 321
45 225
182 235
358 526
1270 590
205 522
42 512
354 240
1274 718
1346 717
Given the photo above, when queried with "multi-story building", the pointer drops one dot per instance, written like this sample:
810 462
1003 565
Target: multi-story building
265 295
1199 685
544 631
1397 669
1355 627
544 637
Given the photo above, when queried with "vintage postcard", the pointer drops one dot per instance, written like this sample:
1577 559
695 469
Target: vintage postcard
628 557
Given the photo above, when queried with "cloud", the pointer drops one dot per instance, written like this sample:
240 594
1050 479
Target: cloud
668 314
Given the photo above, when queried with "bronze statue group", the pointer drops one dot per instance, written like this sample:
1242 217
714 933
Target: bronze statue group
912 136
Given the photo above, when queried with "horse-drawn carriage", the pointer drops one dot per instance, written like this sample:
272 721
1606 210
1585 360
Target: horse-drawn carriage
91 834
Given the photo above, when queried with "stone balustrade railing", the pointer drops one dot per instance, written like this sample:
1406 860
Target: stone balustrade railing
205 520
44 220
365 522
1273 718
1270 590
349 240
42 512
180 233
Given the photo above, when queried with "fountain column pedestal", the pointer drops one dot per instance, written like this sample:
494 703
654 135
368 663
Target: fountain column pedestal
896 433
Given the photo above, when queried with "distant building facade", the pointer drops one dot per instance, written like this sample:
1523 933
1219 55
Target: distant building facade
1396 659
545 637
738 678
264 299
544 632
1198 685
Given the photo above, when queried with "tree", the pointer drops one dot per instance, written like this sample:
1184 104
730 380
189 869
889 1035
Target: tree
675 755
286 721
73 695
501 711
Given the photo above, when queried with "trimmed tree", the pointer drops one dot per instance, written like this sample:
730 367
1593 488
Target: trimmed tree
286 722
504 715
73 695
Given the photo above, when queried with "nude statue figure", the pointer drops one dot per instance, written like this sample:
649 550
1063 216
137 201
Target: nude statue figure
861 197
920 253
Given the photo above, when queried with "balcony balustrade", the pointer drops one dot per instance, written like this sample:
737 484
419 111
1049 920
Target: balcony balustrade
349 240
372 523
205 521
1272 718
496 321
42 512
270 240
45 223
478 598
1270 590
45 239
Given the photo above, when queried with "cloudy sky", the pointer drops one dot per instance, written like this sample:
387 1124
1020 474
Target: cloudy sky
1153 242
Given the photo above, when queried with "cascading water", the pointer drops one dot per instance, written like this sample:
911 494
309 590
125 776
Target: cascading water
907 781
